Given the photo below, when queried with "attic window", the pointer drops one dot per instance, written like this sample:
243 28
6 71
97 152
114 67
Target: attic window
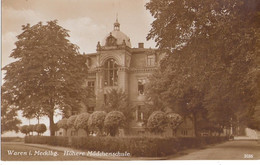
111 41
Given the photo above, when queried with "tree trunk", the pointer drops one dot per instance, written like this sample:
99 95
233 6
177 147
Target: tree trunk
195 124
52 131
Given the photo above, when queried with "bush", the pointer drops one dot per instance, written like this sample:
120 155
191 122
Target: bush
63 123
30 128
136 146
41 128
12 139
173 120
157 122
51 140
113 121
142 146
81 122
24 129
71 121
96 121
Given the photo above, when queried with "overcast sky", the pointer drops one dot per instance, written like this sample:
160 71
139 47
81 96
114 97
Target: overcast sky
88 21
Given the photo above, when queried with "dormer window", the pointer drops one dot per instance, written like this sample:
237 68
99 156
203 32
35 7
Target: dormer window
111 73
111 41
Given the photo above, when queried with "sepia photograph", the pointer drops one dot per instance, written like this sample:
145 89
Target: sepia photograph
130 80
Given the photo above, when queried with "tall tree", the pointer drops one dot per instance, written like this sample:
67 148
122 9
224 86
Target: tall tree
48 73
212 62
9 120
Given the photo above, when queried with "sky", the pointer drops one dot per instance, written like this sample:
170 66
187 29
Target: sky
88 21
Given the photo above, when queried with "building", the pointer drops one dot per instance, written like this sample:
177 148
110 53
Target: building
117 65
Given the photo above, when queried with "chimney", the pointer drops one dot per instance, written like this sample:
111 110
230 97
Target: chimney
140 45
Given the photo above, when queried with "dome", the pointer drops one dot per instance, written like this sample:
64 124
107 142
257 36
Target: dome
118 35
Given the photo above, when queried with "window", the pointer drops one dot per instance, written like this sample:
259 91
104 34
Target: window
139 113
111 73
91 85
150 60
184 132
141 87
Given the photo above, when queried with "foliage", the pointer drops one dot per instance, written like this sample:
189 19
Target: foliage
48 72
81 121
136 146
173 120
117 100
41 128
50 140
71 121
157 122
12 139
113 121
9 120
96 121
212 63
254 118
63 123
31 128
24 129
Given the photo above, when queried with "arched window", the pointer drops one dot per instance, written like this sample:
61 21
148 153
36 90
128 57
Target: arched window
111 75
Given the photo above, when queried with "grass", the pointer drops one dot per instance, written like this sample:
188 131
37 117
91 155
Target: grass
20 147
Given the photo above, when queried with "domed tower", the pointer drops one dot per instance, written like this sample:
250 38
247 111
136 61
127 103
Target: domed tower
113 58
116 38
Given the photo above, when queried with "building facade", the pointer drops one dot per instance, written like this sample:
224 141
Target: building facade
116 65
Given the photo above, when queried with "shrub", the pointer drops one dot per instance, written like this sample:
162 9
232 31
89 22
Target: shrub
157 122
12 139
81 122
96 121
24 129
71 121
51 140
142 146
30 128
41 128
113 121
136 146
173 120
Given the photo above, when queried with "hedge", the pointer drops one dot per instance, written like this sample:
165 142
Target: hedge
12 139
51 140
136 146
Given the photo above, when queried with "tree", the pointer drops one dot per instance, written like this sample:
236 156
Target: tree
63 124
9 120
254 118
173 120
117 100
41 128
48 72
30 129
24 129
71 121
113 121
81 122
212 57
157 122
96 121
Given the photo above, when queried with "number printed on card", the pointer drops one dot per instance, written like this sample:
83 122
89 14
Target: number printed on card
248 156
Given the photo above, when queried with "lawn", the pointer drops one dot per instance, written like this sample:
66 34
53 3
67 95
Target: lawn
29 153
